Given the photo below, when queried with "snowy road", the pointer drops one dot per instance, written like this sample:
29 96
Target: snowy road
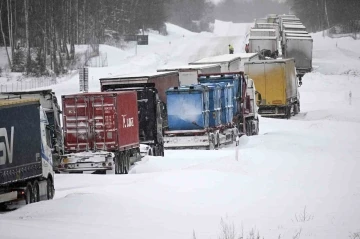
298 175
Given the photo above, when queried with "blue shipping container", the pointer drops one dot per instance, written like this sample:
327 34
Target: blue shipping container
188 107
231 79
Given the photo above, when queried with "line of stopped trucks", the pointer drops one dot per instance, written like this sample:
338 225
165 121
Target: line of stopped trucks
206 104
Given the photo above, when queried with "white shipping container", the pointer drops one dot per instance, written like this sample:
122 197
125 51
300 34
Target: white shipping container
257 44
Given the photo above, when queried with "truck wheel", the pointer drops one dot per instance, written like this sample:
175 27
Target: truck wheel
218 141
50 189
126 162
116 166
36 191
28 193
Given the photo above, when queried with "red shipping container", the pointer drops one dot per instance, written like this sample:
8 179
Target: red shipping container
100 121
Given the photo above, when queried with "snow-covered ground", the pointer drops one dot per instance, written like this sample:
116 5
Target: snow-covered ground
298 177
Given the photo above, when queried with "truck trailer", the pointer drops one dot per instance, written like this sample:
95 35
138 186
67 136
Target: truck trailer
188 74
256 44
150 88
50 105
228 62
277 84
101 132
195 118
26 171
300 48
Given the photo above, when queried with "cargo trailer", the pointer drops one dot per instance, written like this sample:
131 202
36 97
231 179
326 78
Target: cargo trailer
245 116
256 44
262 32
228 62
101 132
49 102
194 115
188 74
300 48
277 84
26 172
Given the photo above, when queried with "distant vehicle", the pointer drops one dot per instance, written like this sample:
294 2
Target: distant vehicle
26 172
150 88
188 74
228 62
49 103
101 132
300 48
277 84
256 44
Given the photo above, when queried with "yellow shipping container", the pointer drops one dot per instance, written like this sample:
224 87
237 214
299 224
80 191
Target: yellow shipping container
277 84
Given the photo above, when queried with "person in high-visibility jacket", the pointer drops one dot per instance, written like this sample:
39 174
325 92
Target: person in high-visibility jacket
231 49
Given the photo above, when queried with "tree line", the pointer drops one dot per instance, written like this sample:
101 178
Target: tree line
319 15
41 34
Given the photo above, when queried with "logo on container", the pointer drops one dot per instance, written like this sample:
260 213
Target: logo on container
6 147
127 122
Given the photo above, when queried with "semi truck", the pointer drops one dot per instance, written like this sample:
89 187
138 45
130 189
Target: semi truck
277 85
188 74
228 62
262 32
26 171
101 132
50 105
150 88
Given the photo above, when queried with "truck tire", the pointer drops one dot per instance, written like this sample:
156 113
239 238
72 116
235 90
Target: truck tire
126 162
36 191
29 193
217 141
117 164
50 189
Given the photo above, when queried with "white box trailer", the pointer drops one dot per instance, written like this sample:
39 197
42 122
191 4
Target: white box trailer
290 27
261 20
188 74
274 26
257 44
296 35
228 62
300 48
247 57
287 16
262 32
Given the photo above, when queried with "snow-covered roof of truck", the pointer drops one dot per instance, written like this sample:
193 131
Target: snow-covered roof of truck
187 67
294 26
141 75
245 55
296 35
280 60
262 38
297 32
217 59
262 29
299 38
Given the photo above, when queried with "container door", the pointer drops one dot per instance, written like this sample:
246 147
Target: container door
76 124
275 91
103 127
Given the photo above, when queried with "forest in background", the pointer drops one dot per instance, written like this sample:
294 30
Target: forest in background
41 34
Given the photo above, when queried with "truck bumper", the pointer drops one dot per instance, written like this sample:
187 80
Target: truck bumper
178 142
7 197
